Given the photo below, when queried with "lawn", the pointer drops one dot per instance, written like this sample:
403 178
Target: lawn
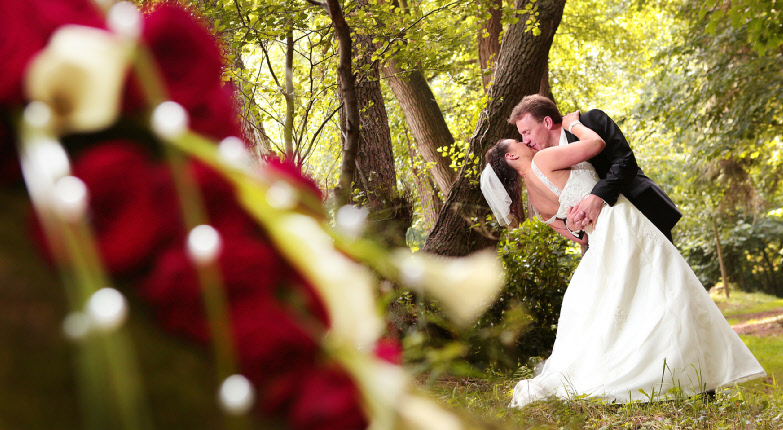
755 404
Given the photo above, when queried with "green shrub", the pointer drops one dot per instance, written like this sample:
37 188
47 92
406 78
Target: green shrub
523 322
520 325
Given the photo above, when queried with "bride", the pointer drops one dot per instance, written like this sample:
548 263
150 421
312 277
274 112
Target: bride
636 323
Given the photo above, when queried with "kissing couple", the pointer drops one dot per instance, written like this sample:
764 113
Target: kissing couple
635 324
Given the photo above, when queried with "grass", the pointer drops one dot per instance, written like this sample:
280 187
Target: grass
756 404
740 302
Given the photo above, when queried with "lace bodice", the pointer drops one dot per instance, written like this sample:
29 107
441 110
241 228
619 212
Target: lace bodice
580 183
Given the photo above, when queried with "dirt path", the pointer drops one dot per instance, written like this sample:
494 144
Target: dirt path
769 323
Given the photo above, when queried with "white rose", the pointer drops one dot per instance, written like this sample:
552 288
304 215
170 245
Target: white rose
80 75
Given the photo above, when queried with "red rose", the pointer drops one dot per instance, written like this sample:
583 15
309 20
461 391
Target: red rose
191 64
173 291
389 350
216 116
126 218
322 396
218 195
273 341
328 400
27 26
260 287
187 55
220 201
289 171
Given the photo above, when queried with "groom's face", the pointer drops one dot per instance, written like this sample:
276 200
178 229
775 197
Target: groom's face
535 134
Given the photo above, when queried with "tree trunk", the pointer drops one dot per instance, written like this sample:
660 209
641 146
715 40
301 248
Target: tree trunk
425 120
422 114
289 94
769 274
741 275
720 259
489 41
428 195
544 89
350 102
390 214
520 67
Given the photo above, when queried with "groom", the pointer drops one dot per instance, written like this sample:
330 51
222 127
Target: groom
540 124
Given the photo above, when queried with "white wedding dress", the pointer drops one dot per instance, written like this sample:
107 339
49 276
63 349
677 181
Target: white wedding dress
636 323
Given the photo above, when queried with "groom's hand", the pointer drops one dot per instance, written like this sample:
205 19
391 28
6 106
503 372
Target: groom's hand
585 213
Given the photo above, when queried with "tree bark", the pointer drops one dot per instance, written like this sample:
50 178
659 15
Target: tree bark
520 67
390 214
425 120
289 94
350 102
422 114
351 105
720 259
489 41
428 195
545 89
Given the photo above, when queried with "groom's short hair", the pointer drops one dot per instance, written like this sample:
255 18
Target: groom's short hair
538 107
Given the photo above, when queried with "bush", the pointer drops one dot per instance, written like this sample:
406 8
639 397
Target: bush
520 325
523 322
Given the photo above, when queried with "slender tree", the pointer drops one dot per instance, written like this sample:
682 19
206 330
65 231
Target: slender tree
350 102
422 113
425 120
289 93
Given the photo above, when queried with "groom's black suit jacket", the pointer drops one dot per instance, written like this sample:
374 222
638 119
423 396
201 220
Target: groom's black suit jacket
619 173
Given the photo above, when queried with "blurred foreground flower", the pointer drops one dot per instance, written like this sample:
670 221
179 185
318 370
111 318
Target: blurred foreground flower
27 27
298 304
190 64
465 286
80 76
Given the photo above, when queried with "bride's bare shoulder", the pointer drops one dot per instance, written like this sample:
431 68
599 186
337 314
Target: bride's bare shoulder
544 159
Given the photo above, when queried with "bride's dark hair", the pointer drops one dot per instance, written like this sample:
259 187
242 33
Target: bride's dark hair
496 157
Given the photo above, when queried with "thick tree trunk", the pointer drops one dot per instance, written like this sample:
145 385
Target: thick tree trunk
489 41
376 175
545 89
520 67
425 120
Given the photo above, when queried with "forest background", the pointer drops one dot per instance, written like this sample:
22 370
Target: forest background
695 86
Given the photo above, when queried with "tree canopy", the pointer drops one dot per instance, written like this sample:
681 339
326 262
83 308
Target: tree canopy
695 86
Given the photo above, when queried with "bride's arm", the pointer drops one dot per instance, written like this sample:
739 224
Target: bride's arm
559 226
565 156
